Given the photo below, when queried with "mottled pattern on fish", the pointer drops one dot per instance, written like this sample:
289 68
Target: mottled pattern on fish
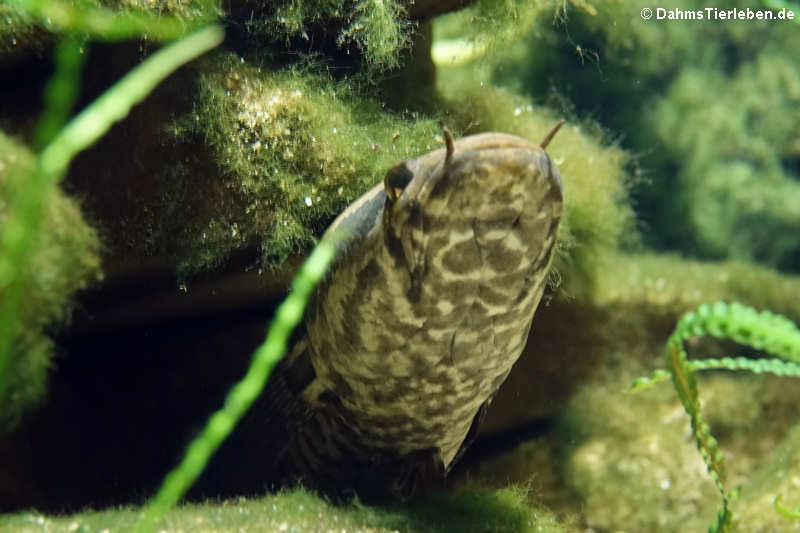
427 307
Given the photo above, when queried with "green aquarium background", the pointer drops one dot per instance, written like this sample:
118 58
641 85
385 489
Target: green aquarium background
168 166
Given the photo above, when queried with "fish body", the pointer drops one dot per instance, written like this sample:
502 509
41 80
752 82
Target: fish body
426 308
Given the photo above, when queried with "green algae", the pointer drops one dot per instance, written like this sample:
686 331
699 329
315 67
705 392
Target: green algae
708 118
775 481
18 33
65 260
668 284
377 29
469 511
298 147
494 23
735 173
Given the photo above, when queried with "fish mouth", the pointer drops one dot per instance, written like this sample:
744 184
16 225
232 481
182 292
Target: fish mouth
492 193
495 150
493 179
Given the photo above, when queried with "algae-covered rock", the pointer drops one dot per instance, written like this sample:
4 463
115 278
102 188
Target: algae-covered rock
669 285
636 471
65 259
774 484
18 34
467 511
296 148
374 31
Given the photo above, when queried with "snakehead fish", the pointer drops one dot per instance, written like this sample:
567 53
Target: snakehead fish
427 306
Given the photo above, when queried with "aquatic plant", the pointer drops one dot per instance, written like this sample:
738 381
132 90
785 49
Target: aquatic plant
767 331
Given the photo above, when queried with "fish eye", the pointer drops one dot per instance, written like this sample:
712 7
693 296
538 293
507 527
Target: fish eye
396 180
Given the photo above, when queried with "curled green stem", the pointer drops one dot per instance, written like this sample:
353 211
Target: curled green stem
764 330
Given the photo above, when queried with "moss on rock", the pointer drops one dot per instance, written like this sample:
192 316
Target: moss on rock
18 34
633 467
775 479
297 147
468 511
668 284
65 260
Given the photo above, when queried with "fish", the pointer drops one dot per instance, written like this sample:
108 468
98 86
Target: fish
427 305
